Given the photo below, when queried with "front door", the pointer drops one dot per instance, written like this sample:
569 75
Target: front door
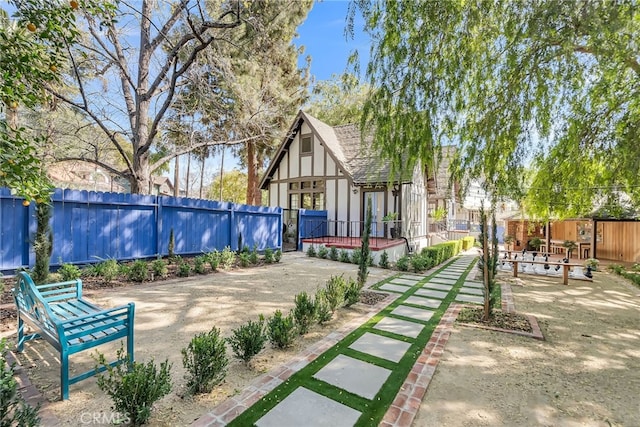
376 199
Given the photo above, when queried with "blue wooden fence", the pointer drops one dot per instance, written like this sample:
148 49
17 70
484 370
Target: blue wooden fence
90 226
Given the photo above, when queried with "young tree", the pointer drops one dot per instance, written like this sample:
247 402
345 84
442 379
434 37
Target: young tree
505 80
339 100
363 268
234 187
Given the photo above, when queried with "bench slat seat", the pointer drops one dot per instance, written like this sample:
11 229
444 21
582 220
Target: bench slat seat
71 324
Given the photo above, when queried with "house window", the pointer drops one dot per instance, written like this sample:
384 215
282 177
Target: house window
306 145
306 195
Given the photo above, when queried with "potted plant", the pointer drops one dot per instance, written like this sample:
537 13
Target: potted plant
535 244
570 245
593 263
508 241
392 217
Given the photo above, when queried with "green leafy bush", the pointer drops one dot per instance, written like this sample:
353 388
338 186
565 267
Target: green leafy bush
253 256
69 272
159 268
277 255
403 263
199 263
333 253
227 258
244 259
344 256
311 251
334 292
268 256
108 270
323 252
304 312
468 242
247 340
384 260
213 258
352 292
184 268
323 311
134 387
442 251
139 271
356 256
420 263
281 330
205 360
14 410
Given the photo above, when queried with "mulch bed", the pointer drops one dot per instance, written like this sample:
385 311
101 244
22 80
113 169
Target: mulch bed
509 321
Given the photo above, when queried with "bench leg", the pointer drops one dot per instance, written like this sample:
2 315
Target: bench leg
130 335
20 333
64 375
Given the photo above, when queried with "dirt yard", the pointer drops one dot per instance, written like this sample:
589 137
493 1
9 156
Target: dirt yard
170 313
586 373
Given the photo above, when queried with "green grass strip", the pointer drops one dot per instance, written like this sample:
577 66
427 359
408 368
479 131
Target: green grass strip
372 410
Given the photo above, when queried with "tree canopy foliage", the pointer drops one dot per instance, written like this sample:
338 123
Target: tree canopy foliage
339 100
554 84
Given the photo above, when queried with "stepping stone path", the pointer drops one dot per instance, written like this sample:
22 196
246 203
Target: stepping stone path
370 357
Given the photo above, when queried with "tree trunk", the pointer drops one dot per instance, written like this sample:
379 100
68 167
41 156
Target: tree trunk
202 176
188 174
176 178
222 172
140 182
485 271
252 173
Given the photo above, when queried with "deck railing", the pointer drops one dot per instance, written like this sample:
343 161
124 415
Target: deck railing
350 232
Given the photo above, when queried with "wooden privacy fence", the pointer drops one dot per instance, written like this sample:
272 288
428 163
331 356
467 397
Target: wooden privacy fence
90 226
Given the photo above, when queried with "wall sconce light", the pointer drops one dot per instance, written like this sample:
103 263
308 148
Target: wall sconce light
354 190
395 190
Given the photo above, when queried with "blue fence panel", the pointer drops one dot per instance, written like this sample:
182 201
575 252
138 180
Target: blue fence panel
258 226
312 224
13 218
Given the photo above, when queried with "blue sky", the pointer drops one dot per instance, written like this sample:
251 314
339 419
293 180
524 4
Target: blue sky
324 39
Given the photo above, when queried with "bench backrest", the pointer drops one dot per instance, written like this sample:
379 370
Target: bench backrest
33 301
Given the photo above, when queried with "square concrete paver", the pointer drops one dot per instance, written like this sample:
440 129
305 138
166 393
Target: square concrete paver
473 284
470 298
447 275
382 347
307 408
400 327
401 281
423 302
438 286
431 293
445 281
413 313
353 375
394 288
413 277
472 291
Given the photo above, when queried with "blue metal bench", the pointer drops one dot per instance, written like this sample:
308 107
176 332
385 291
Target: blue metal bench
69 323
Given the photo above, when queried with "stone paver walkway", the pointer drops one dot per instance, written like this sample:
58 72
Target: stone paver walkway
372 374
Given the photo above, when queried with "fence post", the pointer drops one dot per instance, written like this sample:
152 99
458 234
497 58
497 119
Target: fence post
25 230
158 225
233 227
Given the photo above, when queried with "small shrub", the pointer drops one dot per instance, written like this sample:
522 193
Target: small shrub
323 310
247 340
636 267
592 262
419 263
253 256
281 330
384 260
213 258
244 259
159 268
356 256
227 258
199 263
69 272
134 387
205 360
616 268
13 408
403 263
311 251
109 270
333 253
277 256
323 252
352 292
268 256
344 256
245 249
184 269
334 292
139 271
304 312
